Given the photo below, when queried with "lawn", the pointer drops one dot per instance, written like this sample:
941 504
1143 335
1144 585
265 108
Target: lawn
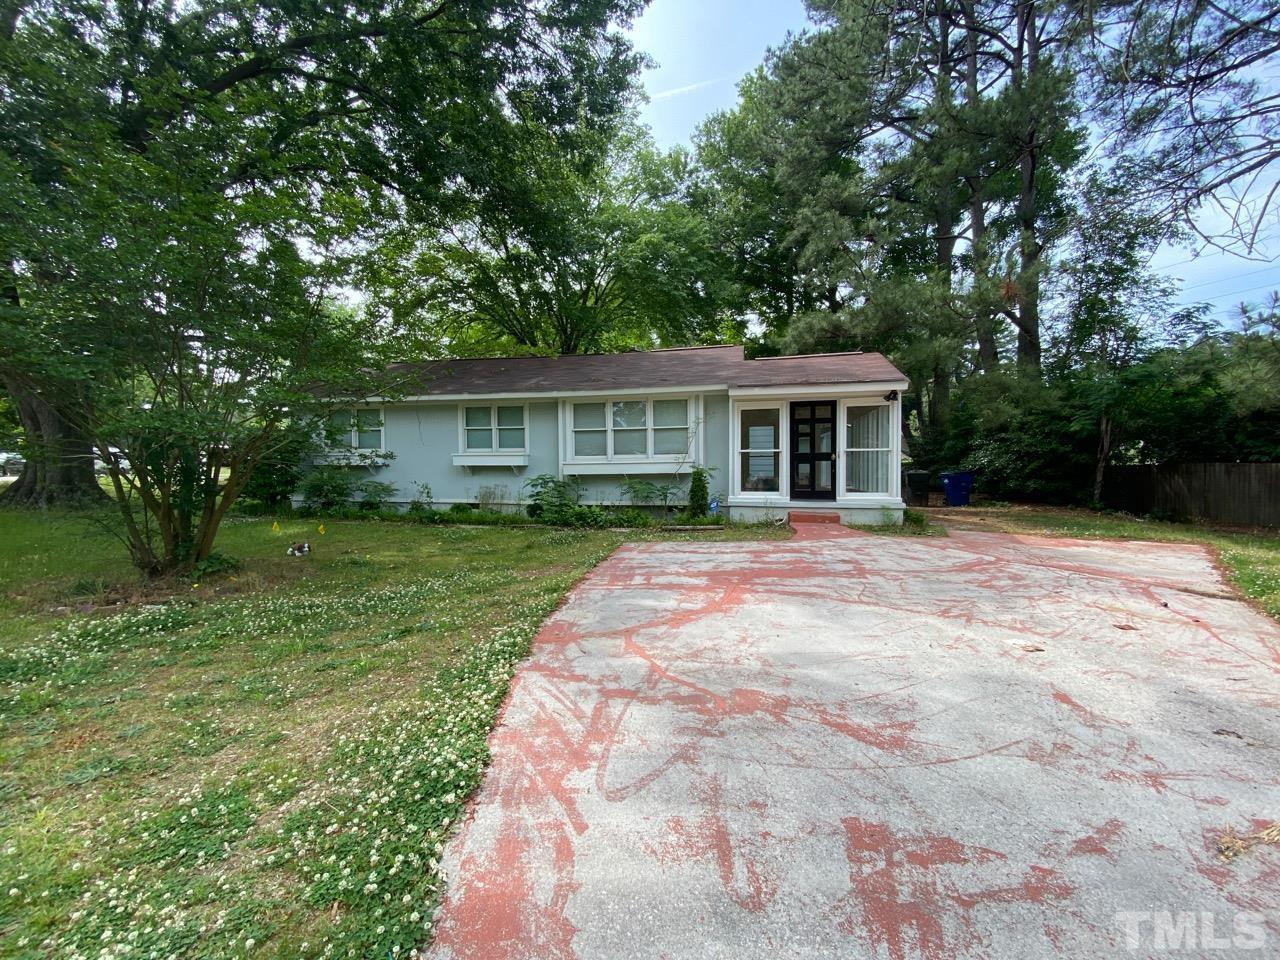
264 762
1251 558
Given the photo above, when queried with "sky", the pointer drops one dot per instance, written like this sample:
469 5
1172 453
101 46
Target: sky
702 48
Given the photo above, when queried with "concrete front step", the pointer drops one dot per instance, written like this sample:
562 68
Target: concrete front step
807 516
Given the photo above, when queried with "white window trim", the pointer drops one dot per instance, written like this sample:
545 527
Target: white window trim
494 450
894 449
784 451
570 458
782 496
341 450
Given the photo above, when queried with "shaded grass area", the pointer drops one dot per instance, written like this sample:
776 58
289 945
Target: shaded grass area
267 763
915 523
1251 558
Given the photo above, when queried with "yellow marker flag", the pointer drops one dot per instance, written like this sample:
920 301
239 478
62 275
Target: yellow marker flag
275 527
320 529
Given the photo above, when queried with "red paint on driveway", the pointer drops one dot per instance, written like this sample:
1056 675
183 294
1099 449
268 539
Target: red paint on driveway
867 747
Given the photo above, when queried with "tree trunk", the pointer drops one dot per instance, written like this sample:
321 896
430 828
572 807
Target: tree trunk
1026 62
1104 454
984 317
59 467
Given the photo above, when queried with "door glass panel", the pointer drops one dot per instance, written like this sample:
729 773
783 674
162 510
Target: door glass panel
825 430
822 410
802 412
759 471
823 482
803 476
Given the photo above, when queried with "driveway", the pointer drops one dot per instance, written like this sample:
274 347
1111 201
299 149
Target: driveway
854 746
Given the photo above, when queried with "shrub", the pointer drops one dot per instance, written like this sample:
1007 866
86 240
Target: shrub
374 493
639 490
699 495
632 517
553 500
422 499
216 563
276 477
592 517
325 488
459 508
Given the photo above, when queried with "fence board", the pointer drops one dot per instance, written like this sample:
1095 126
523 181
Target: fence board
1244 494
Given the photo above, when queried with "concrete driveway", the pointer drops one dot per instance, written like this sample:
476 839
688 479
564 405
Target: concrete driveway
854 746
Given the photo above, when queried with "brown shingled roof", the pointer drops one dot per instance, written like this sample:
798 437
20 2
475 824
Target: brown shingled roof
724 366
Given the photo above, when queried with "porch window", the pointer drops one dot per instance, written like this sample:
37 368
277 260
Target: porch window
358 429
867 449
760 449
630 429
494 427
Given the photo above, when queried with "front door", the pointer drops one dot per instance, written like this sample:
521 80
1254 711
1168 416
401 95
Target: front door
813 452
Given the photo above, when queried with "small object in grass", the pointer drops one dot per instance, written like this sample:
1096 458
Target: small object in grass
275 526
298 550
1164 603
1032 648
1231 845
1124 626
1224 732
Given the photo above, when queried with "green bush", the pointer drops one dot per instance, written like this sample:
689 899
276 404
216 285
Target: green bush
632 517
592 517
374 494
275 477
699 494
457 508
553 501
326 488
216 563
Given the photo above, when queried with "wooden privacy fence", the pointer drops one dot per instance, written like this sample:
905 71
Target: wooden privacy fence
1247 494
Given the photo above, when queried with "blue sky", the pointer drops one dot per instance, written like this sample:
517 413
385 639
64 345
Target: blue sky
701 49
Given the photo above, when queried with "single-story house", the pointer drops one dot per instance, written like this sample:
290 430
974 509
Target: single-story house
778 434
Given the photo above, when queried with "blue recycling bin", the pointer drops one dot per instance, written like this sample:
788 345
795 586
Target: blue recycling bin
956 487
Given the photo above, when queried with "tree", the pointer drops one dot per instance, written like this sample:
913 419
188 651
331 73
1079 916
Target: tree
186 187
597 249
1186 93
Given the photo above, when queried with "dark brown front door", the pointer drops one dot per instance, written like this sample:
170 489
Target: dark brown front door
813 451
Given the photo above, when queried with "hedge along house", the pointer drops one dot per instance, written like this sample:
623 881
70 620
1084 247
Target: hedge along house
782 434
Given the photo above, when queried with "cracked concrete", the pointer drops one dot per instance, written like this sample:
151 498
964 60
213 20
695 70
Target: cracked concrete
852 746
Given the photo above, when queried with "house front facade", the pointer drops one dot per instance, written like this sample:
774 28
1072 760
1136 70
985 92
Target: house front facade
778 435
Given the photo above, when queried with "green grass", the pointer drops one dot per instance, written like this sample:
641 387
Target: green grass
267 762
915 523
1251 558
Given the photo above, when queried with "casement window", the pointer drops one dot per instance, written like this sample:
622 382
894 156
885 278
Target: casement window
760 449
868 449
494 428
629 429
358 429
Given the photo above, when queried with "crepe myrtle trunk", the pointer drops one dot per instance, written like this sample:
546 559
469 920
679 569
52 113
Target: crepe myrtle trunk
59 458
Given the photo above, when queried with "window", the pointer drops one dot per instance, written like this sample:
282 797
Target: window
359 429
760 449
867 449
493 427
629 429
